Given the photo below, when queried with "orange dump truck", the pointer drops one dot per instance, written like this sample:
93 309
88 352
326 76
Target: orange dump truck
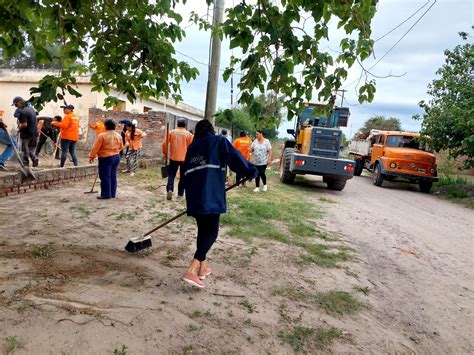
395 156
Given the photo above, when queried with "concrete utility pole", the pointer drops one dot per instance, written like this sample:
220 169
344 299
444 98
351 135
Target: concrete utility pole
213 79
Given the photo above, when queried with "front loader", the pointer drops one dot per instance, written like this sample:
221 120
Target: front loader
316 147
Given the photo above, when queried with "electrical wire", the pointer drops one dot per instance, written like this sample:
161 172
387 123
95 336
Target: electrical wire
404 35
401 23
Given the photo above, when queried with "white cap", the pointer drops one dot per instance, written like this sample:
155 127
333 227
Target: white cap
134 122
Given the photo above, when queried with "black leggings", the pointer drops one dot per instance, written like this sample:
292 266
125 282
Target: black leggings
261 174
208 228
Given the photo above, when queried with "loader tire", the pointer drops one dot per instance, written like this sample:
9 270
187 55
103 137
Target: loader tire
286 176
336 184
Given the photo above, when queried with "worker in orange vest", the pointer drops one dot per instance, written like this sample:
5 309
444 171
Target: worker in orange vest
178 140
242 144
69 133
99 126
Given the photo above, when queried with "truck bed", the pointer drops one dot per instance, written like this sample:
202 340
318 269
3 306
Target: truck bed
359 147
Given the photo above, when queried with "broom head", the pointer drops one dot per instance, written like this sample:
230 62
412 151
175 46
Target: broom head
137 244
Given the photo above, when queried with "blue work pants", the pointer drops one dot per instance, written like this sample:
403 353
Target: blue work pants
108 176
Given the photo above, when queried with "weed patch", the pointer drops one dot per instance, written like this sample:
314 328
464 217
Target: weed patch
285 215
83 212
12 343
305 340
123 351
251 308
333 302
455 188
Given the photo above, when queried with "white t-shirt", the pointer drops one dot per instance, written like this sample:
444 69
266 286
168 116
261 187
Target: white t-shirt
260 152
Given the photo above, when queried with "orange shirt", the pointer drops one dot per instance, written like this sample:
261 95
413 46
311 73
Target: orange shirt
136 143
98 127
242 144
179 140
107 144
69 126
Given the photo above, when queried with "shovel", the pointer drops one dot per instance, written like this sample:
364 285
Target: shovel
144 242
27 174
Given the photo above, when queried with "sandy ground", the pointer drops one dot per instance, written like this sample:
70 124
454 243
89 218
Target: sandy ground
67 286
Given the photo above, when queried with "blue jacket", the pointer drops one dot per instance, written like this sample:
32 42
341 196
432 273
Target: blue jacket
204 172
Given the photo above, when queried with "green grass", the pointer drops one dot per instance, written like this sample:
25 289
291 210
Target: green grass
12 343
283 214
455 188
42 251
333 302
305 340
123 216
251 308
83 211
123 351
445 180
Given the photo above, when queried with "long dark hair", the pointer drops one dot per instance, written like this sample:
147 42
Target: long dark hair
132 134
203 127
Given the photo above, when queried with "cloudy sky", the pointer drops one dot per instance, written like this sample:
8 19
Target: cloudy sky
418 55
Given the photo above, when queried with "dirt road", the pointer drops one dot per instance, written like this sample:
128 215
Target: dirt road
67 286
417 255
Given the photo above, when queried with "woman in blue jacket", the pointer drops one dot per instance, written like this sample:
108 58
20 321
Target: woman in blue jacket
204 173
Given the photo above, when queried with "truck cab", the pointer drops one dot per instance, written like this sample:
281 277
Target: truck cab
396 156
316 148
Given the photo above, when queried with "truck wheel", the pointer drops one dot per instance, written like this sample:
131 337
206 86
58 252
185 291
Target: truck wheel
378 177
425 186
286 176
359 166
336 184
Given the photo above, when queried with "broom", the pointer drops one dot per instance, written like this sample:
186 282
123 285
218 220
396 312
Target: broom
144 241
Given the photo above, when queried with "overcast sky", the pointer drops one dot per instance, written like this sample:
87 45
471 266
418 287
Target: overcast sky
419 55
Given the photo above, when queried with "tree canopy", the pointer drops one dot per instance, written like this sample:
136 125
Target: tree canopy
449 116
129 46
379 122
265 113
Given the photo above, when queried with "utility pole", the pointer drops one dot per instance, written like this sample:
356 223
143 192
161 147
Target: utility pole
213 79
342 99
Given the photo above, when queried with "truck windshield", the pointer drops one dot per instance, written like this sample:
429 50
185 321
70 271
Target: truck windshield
404 142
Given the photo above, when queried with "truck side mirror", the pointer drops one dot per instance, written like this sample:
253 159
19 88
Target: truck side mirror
291 131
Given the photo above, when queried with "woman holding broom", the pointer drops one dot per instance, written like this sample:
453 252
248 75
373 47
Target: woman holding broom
204 173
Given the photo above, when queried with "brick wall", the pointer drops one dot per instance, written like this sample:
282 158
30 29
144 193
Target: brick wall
12 184
152 122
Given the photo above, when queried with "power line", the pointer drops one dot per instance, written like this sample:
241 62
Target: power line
404 21
404 35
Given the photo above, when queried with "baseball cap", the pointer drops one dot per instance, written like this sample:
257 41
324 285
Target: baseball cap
16 100
69 107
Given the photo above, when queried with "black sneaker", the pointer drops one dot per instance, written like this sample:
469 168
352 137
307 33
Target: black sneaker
3 167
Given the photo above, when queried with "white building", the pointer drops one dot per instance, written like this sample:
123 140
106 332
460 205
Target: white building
17 82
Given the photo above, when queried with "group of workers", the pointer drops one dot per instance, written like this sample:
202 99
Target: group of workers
202 159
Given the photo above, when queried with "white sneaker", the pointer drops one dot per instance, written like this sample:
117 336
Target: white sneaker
256 189
265 188
132 174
